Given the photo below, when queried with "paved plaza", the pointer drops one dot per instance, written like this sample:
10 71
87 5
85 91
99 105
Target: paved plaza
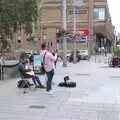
96 97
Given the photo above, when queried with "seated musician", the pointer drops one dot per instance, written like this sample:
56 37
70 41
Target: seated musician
28 73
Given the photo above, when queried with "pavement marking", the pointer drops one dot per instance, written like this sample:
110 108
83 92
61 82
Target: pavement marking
104 67
114 76
108 115
106 94
82 74
37 106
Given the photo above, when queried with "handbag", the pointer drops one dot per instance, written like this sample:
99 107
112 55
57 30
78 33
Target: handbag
42 64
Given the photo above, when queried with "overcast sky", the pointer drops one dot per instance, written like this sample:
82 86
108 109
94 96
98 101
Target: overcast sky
114 7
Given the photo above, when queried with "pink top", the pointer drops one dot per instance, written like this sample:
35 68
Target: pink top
49 60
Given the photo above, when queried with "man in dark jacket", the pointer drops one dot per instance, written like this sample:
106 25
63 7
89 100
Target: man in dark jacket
24 74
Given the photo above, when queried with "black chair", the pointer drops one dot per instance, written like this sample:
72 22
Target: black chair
24 82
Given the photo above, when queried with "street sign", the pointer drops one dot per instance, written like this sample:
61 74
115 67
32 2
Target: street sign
37 64
83 32
37 60
83 40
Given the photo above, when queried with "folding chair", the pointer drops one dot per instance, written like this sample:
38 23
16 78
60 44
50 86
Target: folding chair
25 84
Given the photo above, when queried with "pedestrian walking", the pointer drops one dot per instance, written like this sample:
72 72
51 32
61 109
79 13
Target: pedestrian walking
48 61
106 52
54 53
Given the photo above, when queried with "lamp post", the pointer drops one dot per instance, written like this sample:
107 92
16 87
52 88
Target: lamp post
76 3
74 29
64 41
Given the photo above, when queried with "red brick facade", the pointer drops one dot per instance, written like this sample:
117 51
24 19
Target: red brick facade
50 21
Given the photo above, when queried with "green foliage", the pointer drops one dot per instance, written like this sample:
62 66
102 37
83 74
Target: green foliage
116 52
13 15
4 44
23 55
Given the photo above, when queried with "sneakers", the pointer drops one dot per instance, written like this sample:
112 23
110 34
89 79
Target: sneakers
41 86
50 92
37 86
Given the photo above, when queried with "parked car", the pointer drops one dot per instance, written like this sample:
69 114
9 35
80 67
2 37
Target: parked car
61 54
118 46
78 56
84 54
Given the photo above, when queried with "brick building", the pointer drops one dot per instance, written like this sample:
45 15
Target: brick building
93 16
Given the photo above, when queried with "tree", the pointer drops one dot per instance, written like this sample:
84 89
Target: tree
4 44
14 14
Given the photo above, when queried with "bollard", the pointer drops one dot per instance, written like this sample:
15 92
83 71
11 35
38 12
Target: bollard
2 69
1 72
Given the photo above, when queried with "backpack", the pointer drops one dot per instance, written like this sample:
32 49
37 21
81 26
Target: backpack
23 84
42 64
42 68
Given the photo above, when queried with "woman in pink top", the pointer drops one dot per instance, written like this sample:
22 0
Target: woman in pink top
48 61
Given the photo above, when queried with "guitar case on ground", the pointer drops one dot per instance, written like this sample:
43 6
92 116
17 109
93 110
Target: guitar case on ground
66 83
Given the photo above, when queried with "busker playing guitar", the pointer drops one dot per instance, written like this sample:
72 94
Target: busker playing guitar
28 73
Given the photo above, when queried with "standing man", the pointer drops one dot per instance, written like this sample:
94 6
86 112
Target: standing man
48 61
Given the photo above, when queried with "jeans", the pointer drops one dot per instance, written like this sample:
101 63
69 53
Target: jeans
49 79
36 80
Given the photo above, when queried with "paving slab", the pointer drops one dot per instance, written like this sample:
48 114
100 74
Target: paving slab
96 96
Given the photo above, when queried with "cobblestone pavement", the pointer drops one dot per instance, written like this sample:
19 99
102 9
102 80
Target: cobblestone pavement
96 97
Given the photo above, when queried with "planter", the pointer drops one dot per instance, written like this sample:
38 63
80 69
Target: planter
115 61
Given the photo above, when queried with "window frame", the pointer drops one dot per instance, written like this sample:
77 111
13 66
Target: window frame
101 14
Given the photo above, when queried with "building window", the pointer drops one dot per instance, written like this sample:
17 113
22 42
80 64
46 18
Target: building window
82 12
99 14
79 12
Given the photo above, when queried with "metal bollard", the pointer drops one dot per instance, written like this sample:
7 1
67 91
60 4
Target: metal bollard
2 69
1 73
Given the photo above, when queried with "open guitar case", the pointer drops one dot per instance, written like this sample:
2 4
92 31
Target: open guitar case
67 83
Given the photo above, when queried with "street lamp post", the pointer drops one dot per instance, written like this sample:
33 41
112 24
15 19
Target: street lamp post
64 41
76 3
74 29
